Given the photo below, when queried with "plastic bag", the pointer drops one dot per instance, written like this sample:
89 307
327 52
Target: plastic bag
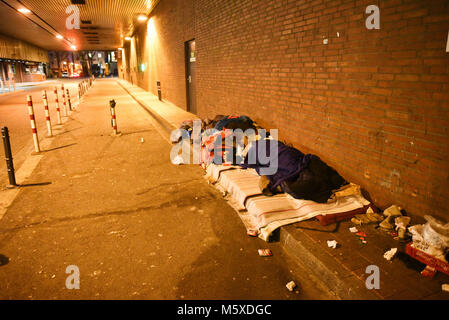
420 243
436 233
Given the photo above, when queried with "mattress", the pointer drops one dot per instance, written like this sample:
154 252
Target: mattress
265 214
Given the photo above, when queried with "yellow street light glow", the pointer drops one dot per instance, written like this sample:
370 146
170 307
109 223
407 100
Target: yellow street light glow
142 18
24 10
59 36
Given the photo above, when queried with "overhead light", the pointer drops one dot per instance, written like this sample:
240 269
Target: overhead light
73 47
24 10
128 38
59 36
142 17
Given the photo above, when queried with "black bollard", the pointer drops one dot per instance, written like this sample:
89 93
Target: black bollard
159 92
8 157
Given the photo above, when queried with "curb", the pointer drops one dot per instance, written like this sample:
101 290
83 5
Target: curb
167 126
323 267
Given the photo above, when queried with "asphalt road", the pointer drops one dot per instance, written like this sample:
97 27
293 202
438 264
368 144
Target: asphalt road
14 115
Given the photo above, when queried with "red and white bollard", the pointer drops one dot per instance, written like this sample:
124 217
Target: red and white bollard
64 103
47 113
114 119
33 124
68 99
58 111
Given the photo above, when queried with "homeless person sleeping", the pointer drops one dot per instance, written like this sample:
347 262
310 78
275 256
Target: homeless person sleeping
303 176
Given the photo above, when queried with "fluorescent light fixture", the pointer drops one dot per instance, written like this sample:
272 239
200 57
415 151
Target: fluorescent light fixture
24 10
128 38
142 17
59 36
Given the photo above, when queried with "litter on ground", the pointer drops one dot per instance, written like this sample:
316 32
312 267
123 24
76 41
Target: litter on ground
390 253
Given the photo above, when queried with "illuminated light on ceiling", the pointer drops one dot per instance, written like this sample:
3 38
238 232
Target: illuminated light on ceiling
142 18
73 47
24 10
59 36
128 38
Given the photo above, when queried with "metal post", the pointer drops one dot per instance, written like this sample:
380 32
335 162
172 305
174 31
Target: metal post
159 92
113 120
33 124
64 104
58 111
68 99
47 113
8 158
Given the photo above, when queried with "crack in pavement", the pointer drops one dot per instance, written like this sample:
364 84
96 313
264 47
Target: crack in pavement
163 205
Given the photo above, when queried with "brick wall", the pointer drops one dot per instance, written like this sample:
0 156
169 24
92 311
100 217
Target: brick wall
371 103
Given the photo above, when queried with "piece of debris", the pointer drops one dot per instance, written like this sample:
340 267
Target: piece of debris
429 272
362 237
265 252
353 229
390 213
360 219
372 216
390 253
291 286
393 211
332 244
388 223
401 225
445 287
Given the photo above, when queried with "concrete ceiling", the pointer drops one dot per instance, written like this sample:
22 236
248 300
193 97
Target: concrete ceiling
104 23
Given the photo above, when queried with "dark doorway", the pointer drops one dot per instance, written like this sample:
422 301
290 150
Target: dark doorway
190 76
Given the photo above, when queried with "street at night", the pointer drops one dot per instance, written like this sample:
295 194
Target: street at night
211 151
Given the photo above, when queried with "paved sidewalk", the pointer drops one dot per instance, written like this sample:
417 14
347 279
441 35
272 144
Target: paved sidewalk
137 226
342 271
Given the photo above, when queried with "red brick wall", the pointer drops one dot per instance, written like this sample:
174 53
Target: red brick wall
374 104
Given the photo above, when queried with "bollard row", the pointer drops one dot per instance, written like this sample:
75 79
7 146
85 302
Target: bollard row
84 86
